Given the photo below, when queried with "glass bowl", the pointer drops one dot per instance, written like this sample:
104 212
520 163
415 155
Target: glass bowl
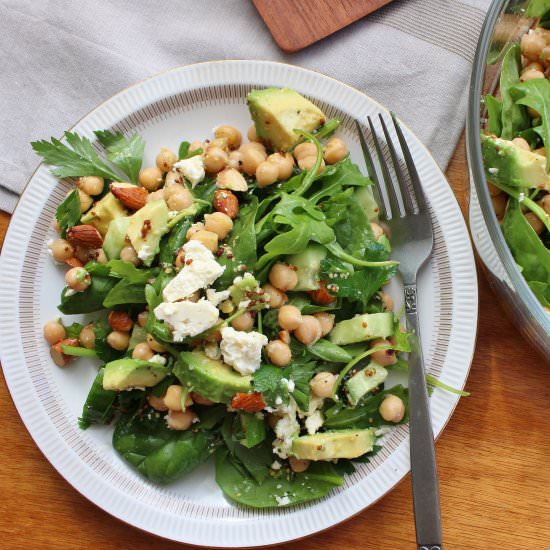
505 23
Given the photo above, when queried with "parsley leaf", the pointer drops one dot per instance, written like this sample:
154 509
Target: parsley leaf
125 153
267 381
68 212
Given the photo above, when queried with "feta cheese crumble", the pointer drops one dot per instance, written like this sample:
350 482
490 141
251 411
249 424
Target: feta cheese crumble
289 384
192 169
286 429
282 501
212 350
216 298
242 350
199 271
276 465
187 318
158 359
314 422
146 253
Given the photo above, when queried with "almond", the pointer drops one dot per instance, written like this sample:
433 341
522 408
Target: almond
74 262
131 196
232 179
321 296
84 235
120 320
248 402
225 201
59 358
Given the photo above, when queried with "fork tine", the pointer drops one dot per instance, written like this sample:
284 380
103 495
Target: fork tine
408 202
413 174
377 191
391 189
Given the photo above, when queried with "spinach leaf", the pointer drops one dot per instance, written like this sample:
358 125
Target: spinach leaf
494 112
89 300
210 416
173 241
157 452
68 212
98 408
104 351
514 116
125 153
205 190
183 151
327 351
536 94
253 428
538 8
78 159
131 288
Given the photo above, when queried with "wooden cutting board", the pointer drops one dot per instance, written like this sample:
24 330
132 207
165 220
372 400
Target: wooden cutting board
296 24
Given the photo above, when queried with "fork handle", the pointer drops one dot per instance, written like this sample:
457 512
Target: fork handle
427 515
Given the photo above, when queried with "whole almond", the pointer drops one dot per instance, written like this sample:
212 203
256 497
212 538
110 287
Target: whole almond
131 196
120 320
232 179
84 235
225 201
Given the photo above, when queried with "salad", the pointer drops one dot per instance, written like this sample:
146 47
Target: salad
236 298
515 149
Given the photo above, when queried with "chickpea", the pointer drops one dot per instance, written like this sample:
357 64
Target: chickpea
251 134
155 345
532 45
61 250
305 149
256 145
207 238
545 56
535 222
99 256
218 223
533 65
545 203
235 160
298 465
158 195
92 185
499 204
142 318
267 173
196 145
129 254
493 189
54 331
335 151
284 336
157 403
322 384
85 200
289 317
78 279
531 74
172 399
307 163
283 276
180 198
172 178
243 322
178 420
195 228
221 143
252 158
387 301
118 340
275 297
309 330
376 230
392 408
200 400
326 320
278 353
87 337
215 160
142 351
285 164
150 178
384 357
231 134
165 159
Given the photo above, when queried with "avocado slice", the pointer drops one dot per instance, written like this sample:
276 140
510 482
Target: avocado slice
507 164
363 327
210 378
103 212
364 381
277 112
115 238
124 374
333 445
308 266
146 228
366 201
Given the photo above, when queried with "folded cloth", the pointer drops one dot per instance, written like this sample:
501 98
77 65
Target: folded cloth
61 58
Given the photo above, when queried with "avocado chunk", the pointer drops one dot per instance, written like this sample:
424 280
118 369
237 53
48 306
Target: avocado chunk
146 228
125 374
333 445
103 212
507 164
363 327
115 238
364 381
210 378
277 112
243 287
308 266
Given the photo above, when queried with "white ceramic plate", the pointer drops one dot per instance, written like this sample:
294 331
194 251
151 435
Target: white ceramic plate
186 103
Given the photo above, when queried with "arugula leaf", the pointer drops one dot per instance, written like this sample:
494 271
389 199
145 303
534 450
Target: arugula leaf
125 153
536 94
78 159
68 212
494 112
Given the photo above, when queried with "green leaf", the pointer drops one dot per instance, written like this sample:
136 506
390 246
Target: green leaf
79 158
327 351
494 111
538 8
253 428
68 212
125 153
89 300
98 408
73 331
104 351
173 241
267 381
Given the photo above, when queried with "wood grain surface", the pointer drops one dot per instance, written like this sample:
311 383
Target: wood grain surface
494 462
295 25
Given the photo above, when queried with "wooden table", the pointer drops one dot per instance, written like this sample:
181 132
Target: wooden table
494 463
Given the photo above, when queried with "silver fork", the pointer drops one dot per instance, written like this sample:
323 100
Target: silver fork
412 240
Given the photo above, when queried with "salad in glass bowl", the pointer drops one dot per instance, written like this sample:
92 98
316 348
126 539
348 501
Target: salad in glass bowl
236 300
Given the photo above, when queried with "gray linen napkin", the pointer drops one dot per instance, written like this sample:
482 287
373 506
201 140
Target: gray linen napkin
60 58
